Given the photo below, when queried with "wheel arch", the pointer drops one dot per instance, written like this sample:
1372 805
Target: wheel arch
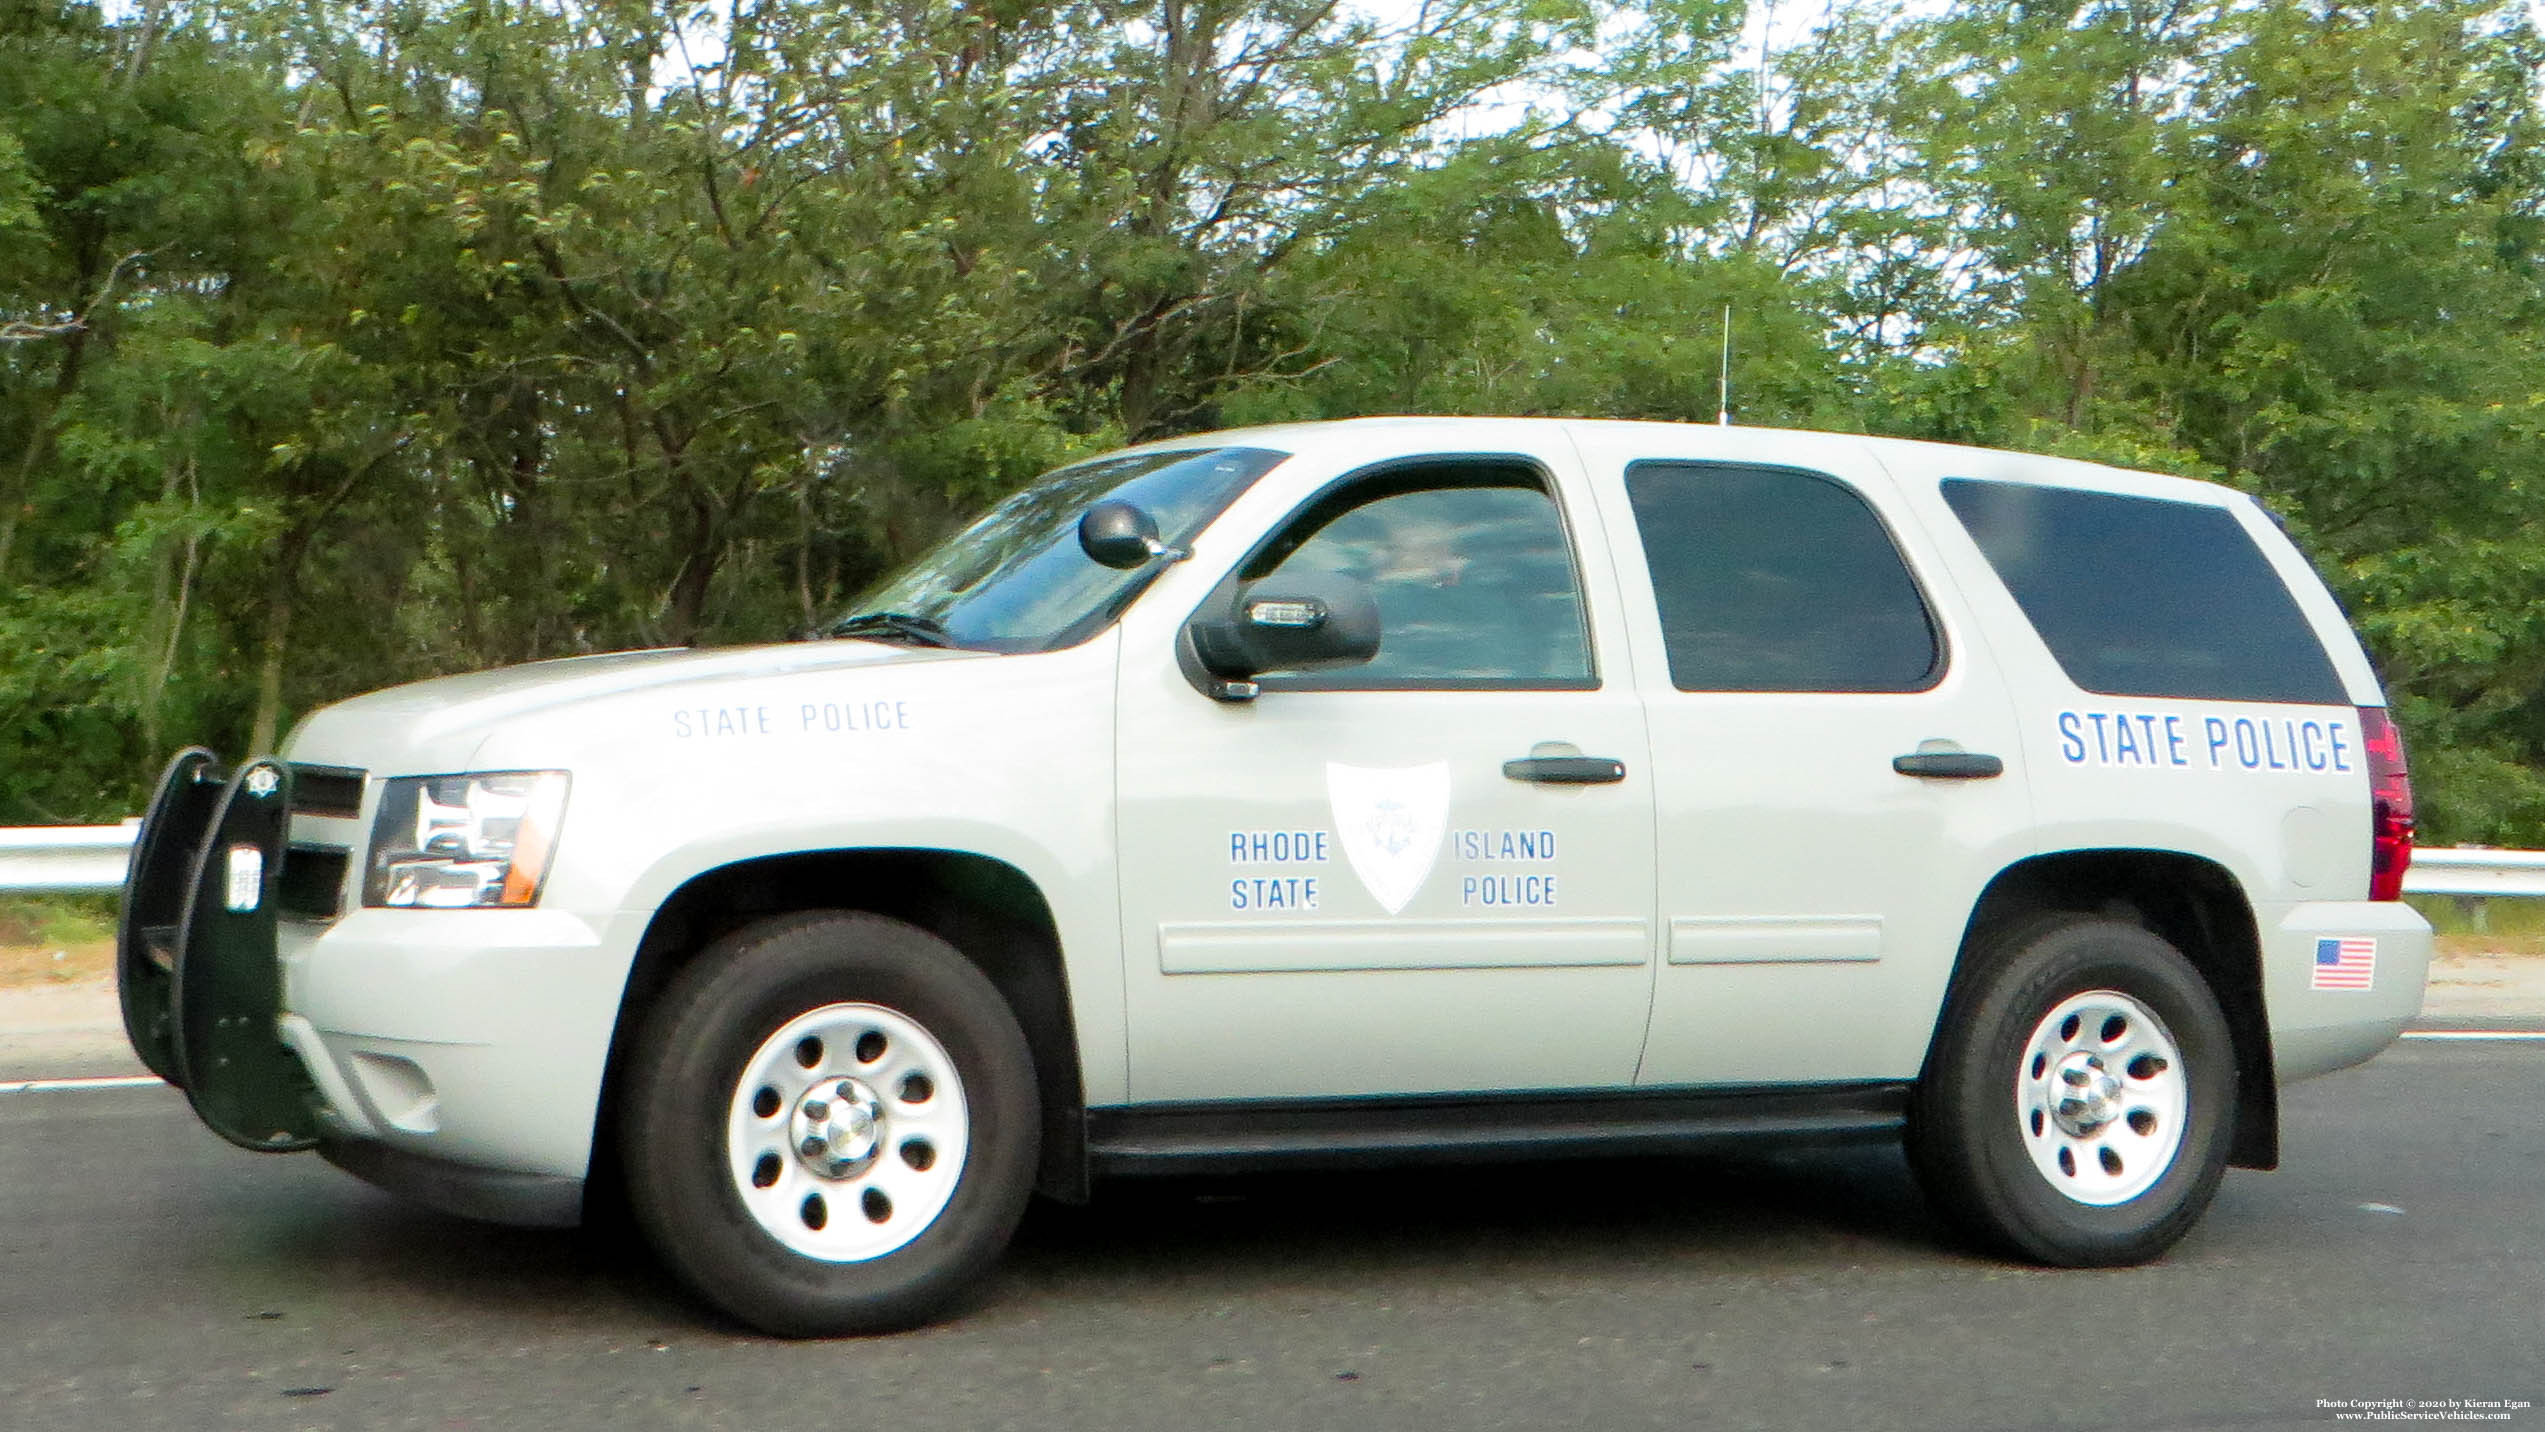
988 909
2194 904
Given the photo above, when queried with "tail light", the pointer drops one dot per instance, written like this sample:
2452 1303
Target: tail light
2390 805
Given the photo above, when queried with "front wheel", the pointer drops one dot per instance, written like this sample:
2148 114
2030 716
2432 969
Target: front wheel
832 1125
2077 1106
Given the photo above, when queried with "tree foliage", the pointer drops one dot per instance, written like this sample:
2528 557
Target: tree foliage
346 343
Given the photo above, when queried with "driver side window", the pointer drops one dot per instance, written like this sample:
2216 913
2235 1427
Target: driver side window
1474 578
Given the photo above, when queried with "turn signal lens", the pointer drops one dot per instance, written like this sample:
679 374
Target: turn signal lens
2390 804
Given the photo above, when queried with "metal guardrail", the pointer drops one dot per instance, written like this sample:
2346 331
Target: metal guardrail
2476 873
66 859
90 859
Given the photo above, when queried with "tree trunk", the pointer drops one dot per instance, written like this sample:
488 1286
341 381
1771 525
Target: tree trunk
269 668
171 591
687 609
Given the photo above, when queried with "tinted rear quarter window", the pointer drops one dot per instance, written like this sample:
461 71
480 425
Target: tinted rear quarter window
2140 596
1777 579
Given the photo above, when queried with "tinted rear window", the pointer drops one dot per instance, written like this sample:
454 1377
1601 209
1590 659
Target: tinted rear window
1775 579
2137 596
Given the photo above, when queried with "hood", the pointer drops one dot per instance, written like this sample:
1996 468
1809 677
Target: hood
429 713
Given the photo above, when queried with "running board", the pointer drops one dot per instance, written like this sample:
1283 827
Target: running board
1223 1137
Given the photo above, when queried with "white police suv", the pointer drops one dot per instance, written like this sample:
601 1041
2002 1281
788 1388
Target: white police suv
1382 789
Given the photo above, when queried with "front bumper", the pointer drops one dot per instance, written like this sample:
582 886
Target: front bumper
476 1040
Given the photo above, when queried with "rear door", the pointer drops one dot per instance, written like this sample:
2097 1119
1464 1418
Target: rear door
1835 759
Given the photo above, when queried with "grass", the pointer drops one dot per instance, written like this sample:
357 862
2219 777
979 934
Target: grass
2485 927
2511 917
56 939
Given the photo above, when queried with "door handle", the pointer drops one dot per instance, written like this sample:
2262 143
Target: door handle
1949 765
1566 770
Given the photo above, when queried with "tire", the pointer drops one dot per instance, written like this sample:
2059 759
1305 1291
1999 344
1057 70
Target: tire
901 1064
2078 1103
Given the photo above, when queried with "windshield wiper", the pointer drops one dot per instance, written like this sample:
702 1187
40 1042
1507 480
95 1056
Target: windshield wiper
894 626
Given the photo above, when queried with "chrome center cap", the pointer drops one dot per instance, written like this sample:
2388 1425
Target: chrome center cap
2085 1096
837 1126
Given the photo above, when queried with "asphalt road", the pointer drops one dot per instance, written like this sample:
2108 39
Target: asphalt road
151 1277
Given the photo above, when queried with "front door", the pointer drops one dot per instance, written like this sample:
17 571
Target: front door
1392 879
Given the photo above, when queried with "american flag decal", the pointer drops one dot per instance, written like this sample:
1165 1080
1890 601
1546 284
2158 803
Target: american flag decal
2344 964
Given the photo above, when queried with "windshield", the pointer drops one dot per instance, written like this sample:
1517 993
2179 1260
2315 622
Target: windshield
1017 581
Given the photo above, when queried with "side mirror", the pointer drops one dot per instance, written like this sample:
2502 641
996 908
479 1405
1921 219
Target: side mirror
1119 535
1301 623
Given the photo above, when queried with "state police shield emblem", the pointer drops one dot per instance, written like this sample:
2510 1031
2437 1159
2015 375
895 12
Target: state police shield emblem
1390 824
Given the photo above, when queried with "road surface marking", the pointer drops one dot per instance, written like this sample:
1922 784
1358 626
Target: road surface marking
93 1081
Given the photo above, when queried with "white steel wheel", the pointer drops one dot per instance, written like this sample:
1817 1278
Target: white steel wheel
2101 1096
847 1132
830 1124
2079 1100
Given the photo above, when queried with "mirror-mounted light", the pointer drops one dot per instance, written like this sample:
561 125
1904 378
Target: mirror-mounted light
1298 615
1304 622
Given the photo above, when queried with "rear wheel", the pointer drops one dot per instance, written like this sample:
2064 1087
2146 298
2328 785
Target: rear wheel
2076 1107
832 1126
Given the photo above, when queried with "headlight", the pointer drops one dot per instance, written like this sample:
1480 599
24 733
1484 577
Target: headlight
452 842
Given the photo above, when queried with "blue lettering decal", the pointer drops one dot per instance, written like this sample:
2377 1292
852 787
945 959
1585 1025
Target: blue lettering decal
1507 890
1272 892
2248 744
2174 740
2270 755
2308 735
680 725
2125 742
2341 749
1276 847
2147 725
2102 751
1494 845
2217 731
2071 739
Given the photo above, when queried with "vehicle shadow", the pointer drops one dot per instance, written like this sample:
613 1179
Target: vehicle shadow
1811 1206
1228 1236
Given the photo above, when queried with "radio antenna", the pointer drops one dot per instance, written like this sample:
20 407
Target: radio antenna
1723 383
